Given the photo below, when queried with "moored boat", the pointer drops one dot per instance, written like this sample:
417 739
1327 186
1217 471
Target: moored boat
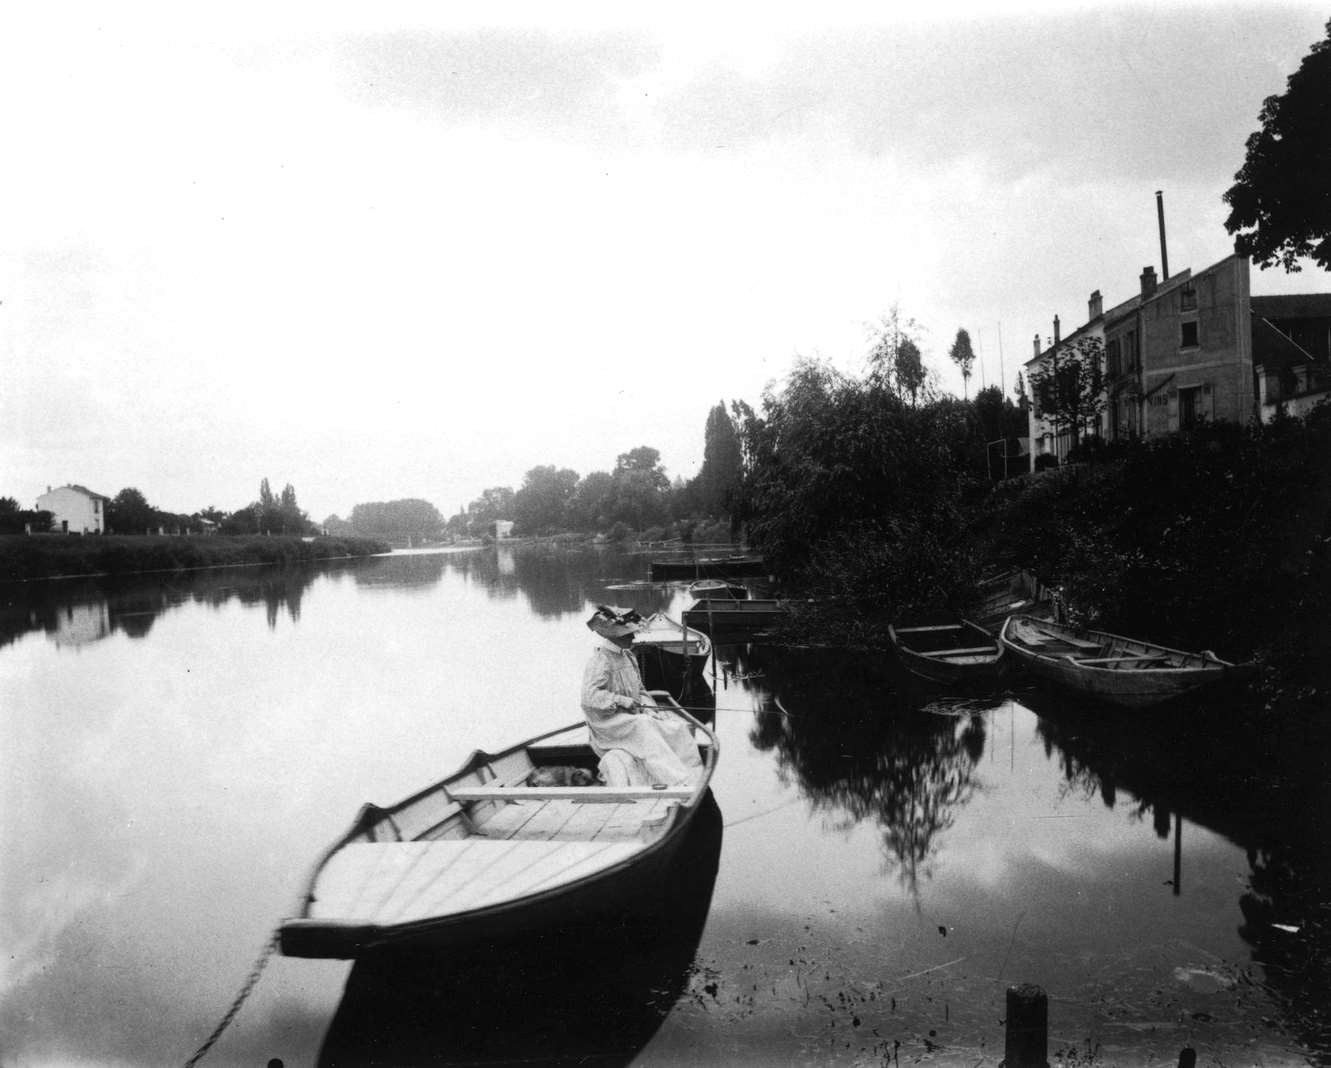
719 588
482 853
1119 670
946 650
666 649
717 613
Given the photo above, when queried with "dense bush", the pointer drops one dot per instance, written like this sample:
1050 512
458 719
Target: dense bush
1211 539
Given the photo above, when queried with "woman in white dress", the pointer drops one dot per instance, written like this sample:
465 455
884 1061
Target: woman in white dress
638 743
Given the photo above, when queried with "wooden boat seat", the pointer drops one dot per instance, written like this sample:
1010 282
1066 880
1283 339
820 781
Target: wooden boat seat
585 794
972 651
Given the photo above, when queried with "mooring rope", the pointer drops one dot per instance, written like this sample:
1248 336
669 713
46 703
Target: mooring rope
245 990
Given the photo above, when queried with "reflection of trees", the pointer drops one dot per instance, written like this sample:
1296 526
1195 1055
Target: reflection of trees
556 582
1259 784
407 571
859 749
75 612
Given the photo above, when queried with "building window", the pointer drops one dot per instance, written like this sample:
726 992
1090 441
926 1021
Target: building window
1130 351
1112 358
1187 298
1187 407
1188 337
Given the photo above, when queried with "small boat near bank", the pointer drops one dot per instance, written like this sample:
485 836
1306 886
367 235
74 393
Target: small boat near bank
1121 671
482 853
949 651
729 566
724 613
719 588
667 649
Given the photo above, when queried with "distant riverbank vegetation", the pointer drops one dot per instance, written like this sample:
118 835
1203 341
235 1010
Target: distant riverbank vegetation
635 499
56 556
269 530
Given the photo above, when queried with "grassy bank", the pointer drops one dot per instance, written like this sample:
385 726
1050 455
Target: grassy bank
53 556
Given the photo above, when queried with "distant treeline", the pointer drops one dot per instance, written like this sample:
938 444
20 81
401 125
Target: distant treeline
52 556
129 512
637 495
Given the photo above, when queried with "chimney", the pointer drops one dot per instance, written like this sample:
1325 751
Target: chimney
1096 306
1037 346
1148 281
1056 334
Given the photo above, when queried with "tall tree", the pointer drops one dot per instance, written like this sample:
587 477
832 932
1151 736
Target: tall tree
722 464
540 506
1069 388
964 357
1280 199
910 371
129 512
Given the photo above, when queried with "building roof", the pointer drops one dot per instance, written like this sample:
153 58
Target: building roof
1294 306
1273 350
85 491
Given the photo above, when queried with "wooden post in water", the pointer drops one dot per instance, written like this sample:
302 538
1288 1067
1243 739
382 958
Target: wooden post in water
1026 1040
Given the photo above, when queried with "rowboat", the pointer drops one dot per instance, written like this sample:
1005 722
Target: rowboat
667 650
732 565
945 650
717 613
720 589
482 854
1121 671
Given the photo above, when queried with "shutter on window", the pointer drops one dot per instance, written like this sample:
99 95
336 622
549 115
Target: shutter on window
1206 403
1173 410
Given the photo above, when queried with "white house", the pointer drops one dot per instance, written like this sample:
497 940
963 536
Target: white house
75 509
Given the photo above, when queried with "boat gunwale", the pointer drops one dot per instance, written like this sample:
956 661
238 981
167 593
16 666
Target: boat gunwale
372 935
1210 662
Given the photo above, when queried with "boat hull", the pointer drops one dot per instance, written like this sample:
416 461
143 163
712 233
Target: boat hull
1132 681
636 892
713 614
493 849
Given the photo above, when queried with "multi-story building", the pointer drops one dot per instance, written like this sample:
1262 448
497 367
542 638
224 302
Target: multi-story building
1195 347
75 509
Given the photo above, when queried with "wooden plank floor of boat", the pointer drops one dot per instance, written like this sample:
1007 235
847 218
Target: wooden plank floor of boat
522 848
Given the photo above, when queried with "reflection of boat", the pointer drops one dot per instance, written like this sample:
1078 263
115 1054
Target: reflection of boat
719 588
733 565
717 613
668 650
1122 671
946 650
481 854
583 995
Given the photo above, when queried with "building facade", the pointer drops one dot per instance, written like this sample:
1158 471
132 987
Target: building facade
75 509
1195 347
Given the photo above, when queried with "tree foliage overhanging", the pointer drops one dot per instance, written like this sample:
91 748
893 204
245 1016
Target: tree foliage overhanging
856 493
1281 198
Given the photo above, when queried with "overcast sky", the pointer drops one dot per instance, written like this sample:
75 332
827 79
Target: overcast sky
406 252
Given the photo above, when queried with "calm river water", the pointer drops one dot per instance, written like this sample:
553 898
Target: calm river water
177 752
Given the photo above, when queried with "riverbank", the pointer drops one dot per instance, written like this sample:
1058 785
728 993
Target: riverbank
29 557
1219 539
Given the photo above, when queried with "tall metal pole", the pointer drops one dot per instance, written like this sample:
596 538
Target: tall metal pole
1160 215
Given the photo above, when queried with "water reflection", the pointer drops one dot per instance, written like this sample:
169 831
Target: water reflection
1261 785
575 996
74 613
864 751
